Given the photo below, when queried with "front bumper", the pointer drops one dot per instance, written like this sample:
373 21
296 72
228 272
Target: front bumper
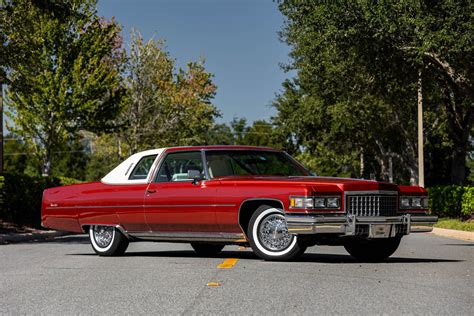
368 226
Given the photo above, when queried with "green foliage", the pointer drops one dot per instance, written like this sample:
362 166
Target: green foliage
238 132
451 201
450 223
355 92
467 202
22 196
164 107
63 72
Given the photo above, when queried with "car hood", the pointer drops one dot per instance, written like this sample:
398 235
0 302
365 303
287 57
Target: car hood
343 184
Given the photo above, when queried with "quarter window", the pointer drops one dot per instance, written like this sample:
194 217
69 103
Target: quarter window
142 169
176 166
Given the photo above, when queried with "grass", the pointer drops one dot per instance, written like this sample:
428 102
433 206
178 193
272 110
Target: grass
450 223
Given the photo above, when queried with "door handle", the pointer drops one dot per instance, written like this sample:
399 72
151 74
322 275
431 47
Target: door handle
151 191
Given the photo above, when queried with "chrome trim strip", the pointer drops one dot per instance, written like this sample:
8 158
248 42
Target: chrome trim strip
189 236
162 160
189 205
204 164
386 192
94 206
137 206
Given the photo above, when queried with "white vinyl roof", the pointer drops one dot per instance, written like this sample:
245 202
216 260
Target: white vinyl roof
121 173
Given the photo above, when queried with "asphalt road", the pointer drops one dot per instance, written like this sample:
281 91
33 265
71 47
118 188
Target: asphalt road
427 275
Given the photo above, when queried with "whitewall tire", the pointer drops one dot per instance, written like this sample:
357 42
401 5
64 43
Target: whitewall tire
107 240
269 237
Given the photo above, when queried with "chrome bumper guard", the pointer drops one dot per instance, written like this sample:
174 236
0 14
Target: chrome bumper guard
370 226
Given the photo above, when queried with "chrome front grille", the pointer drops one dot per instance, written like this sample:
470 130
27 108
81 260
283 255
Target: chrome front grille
372 204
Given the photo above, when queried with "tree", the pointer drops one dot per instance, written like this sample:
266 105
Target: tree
164 108
358 66
64 72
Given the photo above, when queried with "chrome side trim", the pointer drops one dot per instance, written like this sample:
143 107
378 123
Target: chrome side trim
189 205
138 206
189 236
95 206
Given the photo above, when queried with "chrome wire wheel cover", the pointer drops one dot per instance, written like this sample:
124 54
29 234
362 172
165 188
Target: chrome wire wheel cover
103 235
273 233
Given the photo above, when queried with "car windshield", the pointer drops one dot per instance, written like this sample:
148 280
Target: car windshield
253 162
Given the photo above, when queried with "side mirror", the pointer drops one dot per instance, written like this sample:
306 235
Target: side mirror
194 175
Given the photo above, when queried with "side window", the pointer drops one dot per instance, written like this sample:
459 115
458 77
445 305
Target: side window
175 167
143 167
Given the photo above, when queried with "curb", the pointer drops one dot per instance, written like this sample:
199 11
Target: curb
451 233
6 239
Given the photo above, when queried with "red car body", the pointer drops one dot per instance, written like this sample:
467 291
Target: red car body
213 209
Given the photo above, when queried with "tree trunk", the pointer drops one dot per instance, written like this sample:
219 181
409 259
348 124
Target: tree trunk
421 171
458 166
47 161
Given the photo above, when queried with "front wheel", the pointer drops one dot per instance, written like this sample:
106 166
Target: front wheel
269 237
371 250
107 240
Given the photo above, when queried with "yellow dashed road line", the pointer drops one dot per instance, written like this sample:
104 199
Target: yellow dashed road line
213 284
228 263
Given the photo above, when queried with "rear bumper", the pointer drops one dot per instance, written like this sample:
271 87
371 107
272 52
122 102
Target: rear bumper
360 225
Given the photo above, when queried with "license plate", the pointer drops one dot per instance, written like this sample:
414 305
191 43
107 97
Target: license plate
380 231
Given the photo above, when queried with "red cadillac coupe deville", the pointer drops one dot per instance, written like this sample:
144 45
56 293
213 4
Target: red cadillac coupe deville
212 196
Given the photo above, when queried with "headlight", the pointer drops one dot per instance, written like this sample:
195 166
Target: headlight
413 202
319 202
416 202
316 202
405 202
332 202
301 202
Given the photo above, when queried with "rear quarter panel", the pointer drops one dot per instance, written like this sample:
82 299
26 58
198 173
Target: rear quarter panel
70 207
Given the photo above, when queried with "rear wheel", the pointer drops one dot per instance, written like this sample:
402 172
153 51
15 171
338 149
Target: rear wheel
107 240
269 237
370 250
207 249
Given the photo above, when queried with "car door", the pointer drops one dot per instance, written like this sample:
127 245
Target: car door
175 204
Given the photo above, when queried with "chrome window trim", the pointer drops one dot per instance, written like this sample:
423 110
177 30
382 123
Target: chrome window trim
298 164
137 164
162 160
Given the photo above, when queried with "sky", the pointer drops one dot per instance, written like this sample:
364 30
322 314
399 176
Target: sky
238 39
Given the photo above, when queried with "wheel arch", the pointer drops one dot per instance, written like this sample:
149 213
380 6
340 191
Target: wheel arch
86 227
248 207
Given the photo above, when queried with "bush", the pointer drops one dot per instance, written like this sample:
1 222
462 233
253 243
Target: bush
451 201
467 202
21 195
